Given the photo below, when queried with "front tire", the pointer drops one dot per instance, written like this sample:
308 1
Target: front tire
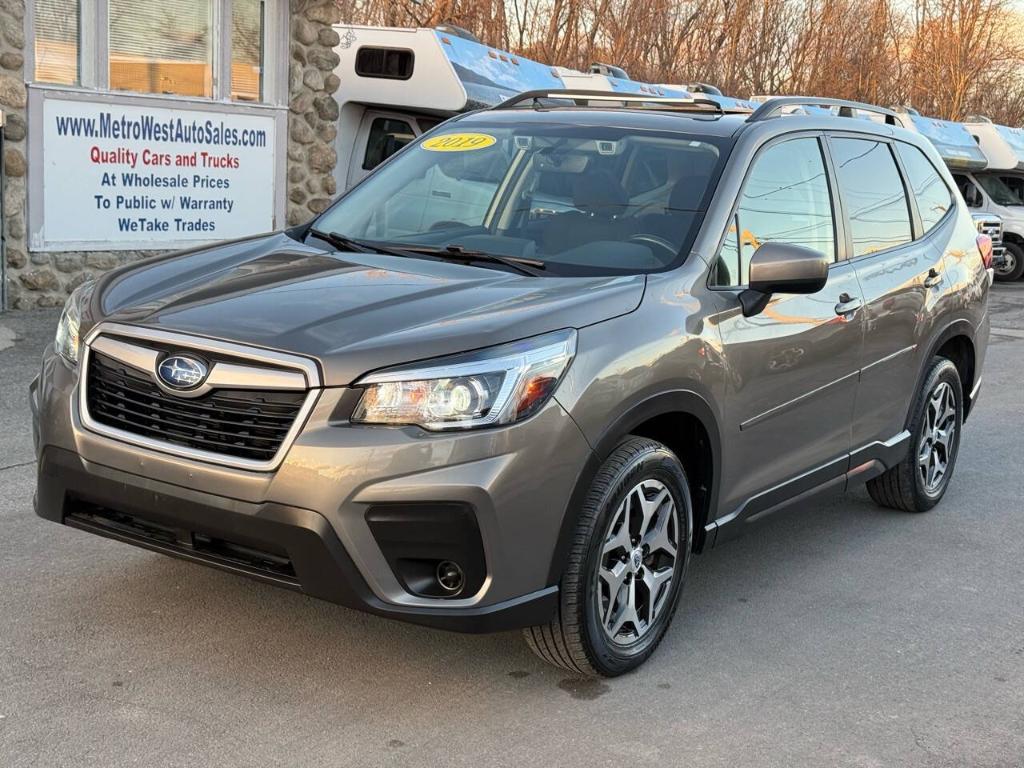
1013 264
626 565
920 481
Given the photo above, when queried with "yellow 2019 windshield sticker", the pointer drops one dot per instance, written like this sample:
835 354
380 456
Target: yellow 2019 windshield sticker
458 142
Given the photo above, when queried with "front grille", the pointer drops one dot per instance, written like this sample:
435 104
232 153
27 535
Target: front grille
993 229
244 424
181 541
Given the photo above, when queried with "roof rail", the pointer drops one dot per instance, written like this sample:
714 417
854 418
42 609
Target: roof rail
773 106
681 104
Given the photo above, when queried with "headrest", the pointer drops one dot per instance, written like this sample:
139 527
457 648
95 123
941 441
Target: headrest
599 192
688 192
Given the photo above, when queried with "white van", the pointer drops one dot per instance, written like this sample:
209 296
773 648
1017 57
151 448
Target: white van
999 189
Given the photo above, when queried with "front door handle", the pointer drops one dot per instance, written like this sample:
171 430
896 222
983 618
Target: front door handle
933 279
848 305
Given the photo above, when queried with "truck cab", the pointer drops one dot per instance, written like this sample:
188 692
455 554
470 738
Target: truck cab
999 188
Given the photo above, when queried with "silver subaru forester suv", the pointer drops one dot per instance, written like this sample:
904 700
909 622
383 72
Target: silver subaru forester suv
547 352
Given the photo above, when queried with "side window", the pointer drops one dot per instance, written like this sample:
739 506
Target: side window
876 203
388 63
786 200
932 194
387 136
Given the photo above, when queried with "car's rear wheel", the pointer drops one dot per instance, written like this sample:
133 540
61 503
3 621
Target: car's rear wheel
920 481
626 565
1012 267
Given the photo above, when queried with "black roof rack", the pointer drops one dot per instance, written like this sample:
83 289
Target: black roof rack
581 98
773 108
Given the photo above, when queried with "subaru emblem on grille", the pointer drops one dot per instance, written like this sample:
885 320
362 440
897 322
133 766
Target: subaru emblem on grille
181 372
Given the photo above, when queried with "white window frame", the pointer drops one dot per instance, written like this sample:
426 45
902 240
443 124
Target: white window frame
93 47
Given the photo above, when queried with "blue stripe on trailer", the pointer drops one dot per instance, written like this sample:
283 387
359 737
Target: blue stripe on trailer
953 141
491 76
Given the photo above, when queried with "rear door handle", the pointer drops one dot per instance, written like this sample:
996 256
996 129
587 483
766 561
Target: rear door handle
848 305
933 279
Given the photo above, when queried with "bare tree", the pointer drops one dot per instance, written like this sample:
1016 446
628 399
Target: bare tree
948 58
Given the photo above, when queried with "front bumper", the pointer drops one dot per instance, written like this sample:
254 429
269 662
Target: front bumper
286 546
304 526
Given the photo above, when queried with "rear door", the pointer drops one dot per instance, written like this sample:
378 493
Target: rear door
792 369
895 201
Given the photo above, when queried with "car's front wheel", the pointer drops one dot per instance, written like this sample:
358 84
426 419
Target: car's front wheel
626 564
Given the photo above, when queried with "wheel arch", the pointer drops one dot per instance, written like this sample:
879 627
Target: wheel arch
955 343
1013 237
685 423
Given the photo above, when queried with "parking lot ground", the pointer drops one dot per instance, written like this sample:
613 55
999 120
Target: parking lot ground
833 634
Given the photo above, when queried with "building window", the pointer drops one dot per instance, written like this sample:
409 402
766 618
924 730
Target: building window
248 44
215 49
56 56
163 48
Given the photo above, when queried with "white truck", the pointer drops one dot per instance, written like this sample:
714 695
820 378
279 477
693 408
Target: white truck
397 83
999 188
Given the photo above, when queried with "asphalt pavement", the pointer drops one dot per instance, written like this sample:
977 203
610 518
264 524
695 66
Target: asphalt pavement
836 634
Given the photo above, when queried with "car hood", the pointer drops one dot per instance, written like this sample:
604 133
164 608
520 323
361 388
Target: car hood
353 312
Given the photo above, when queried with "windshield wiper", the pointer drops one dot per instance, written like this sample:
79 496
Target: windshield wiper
454 252
530 267
344 242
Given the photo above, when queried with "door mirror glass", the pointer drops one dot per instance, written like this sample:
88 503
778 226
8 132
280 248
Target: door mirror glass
783 268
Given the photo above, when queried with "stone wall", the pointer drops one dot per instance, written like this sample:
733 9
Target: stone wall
22 274
313 112
37 279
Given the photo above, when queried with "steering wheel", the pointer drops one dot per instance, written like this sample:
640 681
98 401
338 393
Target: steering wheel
653 240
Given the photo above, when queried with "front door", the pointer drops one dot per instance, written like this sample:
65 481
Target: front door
792 369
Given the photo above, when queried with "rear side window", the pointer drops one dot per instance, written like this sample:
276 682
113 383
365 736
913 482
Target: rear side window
785 200
876 203
933 196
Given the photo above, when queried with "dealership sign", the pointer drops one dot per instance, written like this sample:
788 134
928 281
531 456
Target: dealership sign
119 177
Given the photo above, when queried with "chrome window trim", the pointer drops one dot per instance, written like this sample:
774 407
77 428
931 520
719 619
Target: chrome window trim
306 367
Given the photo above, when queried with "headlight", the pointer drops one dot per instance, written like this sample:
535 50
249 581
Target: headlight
500 385
67 341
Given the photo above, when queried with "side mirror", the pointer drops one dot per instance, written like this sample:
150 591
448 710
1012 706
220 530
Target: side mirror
782 268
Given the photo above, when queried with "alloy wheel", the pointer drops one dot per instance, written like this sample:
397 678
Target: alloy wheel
938 438
638 562
1009 263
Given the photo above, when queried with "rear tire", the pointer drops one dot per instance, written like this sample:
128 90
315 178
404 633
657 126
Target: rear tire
1014 264
920 481
626 565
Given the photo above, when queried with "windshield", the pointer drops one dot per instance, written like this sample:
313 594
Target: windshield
997 190
1016 185
579 199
